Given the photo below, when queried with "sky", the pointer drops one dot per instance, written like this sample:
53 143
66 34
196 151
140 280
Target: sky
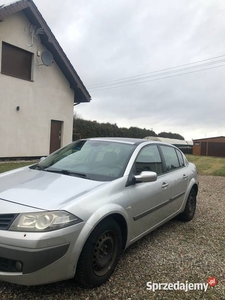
157 65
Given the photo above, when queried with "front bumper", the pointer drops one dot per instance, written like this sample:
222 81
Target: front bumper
26 261
38 258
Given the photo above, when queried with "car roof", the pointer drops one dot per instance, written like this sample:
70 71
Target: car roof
131 141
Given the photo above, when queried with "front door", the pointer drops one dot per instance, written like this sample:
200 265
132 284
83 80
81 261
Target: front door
148 200
55 136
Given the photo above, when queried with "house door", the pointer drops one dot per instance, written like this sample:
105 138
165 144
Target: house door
203 148
55 136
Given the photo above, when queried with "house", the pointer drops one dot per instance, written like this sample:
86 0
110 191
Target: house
214 146
38 85
184 146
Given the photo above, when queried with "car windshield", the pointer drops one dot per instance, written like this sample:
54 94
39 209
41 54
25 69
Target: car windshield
90 159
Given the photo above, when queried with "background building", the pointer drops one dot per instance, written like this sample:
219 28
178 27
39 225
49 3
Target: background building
214 146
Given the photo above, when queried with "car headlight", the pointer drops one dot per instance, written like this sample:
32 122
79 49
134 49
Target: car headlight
44 221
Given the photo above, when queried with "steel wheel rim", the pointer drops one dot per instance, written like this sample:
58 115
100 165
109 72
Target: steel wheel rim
191 205
104 253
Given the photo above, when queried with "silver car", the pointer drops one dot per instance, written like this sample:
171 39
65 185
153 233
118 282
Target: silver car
71 214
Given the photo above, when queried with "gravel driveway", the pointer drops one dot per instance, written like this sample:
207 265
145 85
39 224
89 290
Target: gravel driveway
185 252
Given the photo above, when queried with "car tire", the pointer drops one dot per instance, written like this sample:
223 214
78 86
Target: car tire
190 207
100 254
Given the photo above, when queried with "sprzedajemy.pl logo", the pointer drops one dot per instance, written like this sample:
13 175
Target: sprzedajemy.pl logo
183 286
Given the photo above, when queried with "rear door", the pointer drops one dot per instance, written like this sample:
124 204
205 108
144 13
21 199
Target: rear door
178 176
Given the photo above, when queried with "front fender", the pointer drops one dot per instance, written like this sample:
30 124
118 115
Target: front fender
100 214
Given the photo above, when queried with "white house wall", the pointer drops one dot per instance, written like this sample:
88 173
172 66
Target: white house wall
26 132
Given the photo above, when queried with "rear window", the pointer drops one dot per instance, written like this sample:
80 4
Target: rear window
180 158
171 158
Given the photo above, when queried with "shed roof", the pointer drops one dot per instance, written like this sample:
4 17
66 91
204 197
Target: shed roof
210 138
48 39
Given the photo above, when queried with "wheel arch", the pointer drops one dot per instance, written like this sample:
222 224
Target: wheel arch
112 211
195 188
193 185
122 224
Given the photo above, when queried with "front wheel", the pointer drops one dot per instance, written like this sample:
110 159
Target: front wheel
189 211
100 254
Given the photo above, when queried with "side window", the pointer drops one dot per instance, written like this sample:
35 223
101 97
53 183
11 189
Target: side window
149 159
180 158
171 158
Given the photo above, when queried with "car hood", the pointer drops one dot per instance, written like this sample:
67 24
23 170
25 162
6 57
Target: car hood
43 190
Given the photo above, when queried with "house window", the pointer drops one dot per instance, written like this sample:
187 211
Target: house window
16 62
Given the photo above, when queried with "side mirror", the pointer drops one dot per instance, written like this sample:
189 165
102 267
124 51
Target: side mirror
146 176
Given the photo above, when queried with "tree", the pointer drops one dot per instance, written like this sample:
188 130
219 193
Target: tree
87 129
171 135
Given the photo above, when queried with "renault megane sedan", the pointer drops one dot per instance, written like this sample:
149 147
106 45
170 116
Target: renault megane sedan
71 214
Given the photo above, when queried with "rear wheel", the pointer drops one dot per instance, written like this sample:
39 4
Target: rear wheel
189 211
100 254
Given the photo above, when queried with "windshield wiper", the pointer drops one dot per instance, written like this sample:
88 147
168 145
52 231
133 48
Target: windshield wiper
66 172
37 167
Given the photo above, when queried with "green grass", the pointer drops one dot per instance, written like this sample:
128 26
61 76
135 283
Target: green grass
208 165
7 166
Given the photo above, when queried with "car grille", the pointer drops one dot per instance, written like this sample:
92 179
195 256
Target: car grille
6 220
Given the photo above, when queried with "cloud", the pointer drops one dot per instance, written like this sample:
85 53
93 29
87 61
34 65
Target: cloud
113 39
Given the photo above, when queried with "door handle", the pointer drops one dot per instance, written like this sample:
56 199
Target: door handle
185 176
165 184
